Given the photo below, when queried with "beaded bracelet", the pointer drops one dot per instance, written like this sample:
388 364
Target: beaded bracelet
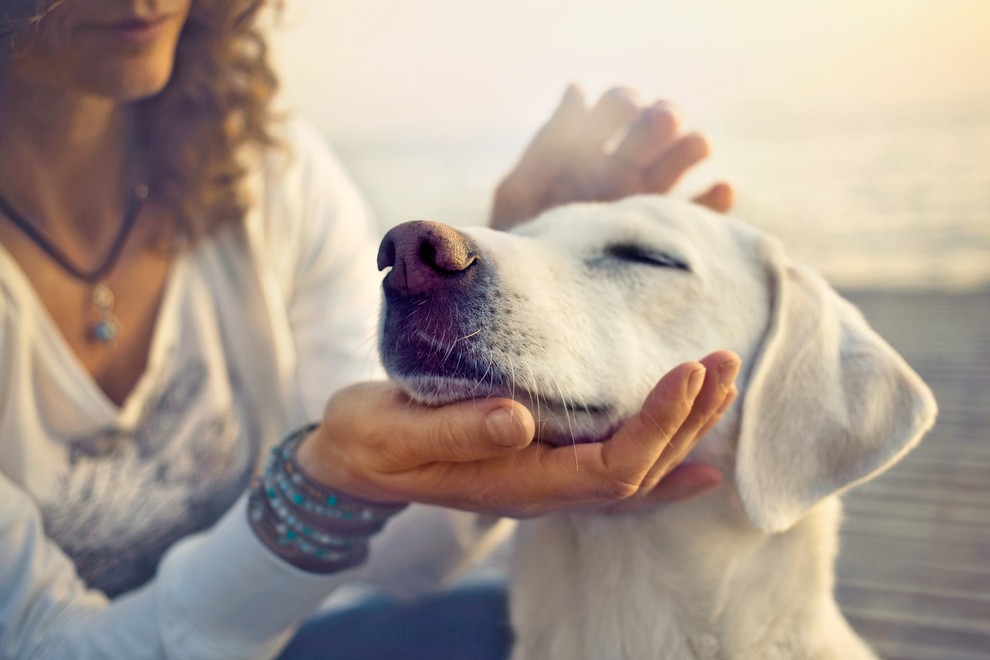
313 527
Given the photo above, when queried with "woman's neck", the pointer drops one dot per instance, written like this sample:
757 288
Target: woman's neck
63 157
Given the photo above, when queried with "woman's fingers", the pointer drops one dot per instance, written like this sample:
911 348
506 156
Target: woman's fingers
682 482
562 162
467 431
668 480
374 441
685 152
719 198
538 479
478 455
730 396
621 172
524 191
625 468
632 451
614 111
721 369
648 137
548 151
571 159
415 435
580 176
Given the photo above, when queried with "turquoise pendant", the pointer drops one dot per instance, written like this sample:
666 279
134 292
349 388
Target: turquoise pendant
106 329
105 332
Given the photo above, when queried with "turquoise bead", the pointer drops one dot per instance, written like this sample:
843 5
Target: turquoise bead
104 331
331 500
298 499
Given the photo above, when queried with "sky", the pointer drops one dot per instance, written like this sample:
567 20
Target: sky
867 121
449 66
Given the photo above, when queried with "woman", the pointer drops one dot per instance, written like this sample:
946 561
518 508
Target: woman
183 283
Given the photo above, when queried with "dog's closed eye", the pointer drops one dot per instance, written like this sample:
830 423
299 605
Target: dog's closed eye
641 254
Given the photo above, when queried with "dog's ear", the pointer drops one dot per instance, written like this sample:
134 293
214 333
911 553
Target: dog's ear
829 403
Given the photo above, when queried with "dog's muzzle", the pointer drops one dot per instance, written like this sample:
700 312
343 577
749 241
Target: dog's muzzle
437 301
447 334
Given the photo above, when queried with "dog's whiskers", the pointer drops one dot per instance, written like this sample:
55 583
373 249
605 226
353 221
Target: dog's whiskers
468 336
567 414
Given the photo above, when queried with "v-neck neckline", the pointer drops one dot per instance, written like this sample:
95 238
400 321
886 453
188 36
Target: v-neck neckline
74 373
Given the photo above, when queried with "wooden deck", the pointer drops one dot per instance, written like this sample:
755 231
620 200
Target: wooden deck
914 568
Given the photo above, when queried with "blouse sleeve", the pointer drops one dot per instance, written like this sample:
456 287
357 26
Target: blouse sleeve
219 594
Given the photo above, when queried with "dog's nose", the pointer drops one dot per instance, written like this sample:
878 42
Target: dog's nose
424 256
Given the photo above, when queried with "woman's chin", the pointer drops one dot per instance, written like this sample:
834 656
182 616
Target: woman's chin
131 81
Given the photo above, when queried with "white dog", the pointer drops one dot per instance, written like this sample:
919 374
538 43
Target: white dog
576 315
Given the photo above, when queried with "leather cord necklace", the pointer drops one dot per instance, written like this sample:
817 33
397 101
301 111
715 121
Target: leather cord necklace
105 329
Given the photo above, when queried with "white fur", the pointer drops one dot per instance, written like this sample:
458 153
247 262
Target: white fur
742 572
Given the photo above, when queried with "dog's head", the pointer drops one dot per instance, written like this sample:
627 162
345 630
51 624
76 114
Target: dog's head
578 313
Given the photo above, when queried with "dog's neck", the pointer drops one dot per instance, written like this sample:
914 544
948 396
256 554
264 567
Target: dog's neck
693 579
678 583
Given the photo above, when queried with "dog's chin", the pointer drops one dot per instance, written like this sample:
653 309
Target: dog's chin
556 424
443 390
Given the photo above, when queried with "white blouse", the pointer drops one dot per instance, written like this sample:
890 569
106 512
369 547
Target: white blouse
256 328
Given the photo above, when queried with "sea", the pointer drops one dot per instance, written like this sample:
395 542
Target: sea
873 200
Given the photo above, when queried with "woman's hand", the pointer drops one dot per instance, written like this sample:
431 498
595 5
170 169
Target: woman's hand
571 158
479 455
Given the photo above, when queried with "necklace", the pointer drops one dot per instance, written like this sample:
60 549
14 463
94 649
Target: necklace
105 328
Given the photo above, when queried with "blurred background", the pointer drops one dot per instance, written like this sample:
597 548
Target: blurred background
856 130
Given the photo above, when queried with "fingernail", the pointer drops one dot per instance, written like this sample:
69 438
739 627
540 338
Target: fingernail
727 372
695 381
505 428
727 401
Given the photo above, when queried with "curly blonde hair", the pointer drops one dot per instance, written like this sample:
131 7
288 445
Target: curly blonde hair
218 101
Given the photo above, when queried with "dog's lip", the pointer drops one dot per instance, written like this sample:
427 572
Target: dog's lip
436 390
441 390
